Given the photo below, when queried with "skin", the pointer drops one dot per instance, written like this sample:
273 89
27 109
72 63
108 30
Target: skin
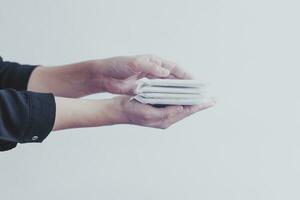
116 75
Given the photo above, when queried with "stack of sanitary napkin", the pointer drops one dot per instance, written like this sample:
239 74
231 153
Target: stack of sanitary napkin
170 92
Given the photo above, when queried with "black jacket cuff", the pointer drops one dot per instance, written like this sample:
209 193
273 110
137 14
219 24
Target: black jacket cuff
7 145
15 75
22 76
41 117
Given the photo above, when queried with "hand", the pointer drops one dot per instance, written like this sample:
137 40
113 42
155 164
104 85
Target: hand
118 74
132 112
75 113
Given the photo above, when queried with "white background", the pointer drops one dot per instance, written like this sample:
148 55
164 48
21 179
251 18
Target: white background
247 147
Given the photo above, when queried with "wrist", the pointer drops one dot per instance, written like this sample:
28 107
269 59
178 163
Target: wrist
98 77
115 111
75 113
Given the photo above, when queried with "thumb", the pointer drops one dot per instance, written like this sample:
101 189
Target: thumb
159 71
150 66
116 86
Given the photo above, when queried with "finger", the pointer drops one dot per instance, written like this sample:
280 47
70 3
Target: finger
171 76
175 113
150 65
117 86
190 110
175 70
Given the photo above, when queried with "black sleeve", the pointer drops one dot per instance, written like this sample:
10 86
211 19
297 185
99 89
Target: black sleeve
14 75
24 116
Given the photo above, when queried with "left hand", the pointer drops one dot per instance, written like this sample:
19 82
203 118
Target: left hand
118 75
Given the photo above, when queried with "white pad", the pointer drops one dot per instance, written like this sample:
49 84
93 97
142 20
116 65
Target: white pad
170 92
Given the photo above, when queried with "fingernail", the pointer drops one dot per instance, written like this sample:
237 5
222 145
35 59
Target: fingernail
164 72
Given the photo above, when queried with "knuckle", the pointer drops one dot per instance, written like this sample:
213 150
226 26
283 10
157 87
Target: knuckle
156 67
150 56
155 60
135 63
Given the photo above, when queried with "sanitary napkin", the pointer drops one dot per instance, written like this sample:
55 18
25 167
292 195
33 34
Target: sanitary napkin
170 92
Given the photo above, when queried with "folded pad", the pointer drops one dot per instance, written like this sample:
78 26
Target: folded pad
170 92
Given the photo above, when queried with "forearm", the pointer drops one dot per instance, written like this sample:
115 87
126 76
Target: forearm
73 80
76 113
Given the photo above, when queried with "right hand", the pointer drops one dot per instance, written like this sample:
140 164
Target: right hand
132 112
